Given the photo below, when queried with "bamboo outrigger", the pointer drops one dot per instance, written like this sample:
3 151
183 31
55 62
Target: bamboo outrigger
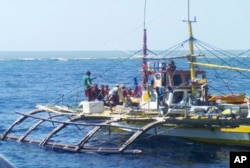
114 121
80 146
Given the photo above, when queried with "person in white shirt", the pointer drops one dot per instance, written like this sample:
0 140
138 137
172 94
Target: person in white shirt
113 95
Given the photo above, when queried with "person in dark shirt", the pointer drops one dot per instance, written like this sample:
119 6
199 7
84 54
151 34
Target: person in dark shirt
96 93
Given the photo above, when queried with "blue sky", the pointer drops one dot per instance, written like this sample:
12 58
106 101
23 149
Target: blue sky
49 25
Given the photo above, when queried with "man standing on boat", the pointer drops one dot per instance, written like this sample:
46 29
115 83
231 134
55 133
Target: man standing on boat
87 82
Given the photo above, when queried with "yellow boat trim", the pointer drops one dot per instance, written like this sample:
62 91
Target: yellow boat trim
223 141
241 128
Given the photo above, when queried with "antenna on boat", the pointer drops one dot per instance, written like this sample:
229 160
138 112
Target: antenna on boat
144 49
144 32
191 46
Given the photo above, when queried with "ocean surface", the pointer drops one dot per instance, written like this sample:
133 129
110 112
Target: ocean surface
31 78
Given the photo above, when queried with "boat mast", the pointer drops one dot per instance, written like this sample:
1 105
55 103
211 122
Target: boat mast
191 47
144 51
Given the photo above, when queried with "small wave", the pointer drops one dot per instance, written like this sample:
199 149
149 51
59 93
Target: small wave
61 55
27 59
60 59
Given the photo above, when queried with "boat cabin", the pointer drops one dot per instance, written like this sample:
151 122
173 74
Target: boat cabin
178 79
177 85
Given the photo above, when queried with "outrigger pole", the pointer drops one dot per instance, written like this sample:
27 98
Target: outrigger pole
191 47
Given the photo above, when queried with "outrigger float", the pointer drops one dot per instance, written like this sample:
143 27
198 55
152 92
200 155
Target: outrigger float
176 104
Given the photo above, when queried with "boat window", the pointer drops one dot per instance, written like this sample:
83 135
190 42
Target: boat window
187 80
177 80
158 76
178 96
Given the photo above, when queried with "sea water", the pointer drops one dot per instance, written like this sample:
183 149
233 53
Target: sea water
31 78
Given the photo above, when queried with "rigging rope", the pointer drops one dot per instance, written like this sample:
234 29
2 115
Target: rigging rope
197 45
227 54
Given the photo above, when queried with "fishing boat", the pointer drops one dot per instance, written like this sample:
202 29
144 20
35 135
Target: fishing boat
170 101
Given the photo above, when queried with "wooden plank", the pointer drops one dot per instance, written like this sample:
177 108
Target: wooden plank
45 108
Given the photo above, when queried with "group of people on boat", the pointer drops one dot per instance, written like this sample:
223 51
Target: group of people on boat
118 95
